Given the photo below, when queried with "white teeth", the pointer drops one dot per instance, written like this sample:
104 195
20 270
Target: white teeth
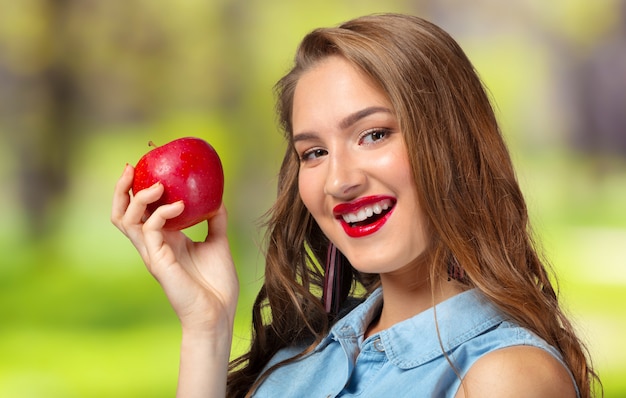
361 215
367 212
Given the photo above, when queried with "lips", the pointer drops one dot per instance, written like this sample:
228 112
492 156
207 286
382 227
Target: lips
364 216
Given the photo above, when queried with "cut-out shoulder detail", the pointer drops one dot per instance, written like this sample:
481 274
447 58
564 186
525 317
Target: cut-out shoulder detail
518 371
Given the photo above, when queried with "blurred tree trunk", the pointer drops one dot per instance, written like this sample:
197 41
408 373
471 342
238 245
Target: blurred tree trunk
37 102
601 81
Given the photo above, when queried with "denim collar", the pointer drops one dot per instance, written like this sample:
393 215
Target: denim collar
415 341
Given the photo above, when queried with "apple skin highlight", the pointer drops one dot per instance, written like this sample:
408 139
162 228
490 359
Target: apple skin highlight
190 170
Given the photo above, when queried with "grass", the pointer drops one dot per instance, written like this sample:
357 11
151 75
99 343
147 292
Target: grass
131 362
68 333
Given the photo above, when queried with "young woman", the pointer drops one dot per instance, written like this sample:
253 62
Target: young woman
399 260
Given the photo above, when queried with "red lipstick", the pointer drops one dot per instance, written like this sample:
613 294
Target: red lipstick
371 224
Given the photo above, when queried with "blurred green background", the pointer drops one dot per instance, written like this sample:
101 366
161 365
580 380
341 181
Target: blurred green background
85 84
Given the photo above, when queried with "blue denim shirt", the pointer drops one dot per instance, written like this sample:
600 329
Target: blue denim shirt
405 360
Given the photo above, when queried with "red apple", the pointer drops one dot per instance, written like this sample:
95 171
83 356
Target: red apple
190 170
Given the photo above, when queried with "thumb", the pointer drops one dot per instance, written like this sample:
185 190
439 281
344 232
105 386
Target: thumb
218 224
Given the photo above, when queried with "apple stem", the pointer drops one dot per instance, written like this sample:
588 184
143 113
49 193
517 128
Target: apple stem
152 144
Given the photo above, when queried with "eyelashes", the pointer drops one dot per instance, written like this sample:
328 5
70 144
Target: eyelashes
312 154
372 136
365 139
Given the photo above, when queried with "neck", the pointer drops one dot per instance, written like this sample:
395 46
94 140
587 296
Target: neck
405 296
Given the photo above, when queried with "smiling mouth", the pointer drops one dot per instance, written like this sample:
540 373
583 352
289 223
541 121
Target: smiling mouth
368 214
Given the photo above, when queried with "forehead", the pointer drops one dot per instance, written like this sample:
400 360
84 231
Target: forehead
332 89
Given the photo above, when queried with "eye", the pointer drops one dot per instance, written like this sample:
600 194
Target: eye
313 154
372 136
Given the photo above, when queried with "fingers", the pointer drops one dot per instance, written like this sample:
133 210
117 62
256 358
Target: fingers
136 210
128 212
154 236
121 197
157 220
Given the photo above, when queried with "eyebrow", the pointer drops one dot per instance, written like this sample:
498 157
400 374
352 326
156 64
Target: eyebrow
346 122
363 113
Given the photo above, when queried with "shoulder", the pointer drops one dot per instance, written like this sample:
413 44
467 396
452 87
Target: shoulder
517 371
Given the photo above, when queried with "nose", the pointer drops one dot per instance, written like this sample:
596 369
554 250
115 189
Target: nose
345 179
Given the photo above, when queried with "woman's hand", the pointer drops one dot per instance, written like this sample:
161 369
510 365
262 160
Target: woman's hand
199 278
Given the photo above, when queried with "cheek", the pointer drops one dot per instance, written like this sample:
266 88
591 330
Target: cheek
308 191
403 165
396 166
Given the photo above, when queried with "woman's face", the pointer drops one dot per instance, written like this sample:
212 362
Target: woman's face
355 178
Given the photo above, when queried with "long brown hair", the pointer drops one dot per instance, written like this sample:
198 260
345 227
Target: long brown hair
466 186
